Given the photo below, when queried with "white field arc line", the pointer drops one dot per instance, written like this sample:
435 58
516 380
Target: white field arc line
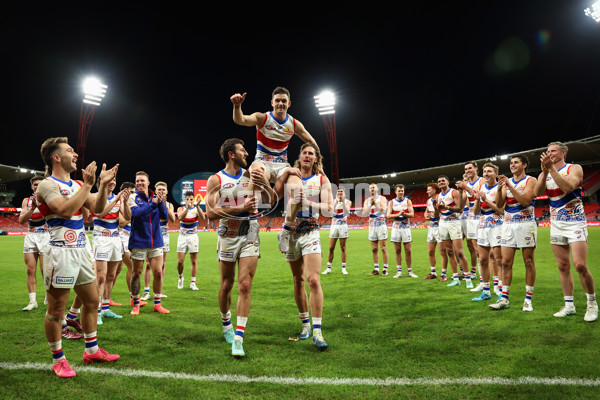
557 381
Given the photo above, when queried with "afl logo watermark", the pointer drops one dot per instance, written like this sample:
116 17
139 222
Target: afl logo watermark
235 198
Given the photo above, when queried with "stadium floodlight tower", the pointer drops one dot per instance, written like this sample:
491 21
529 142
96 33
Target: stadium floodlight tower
594 11
93 93
325 103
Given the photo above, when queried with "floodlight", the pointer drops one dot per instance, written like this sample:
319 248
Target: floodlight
593 11
94 91
504 157
325 103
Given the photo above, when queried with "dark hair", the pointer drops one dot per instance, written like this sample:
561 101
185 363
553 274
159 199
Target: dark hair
523 159
229 146
474 163
127 185
189 193
281 90
444 176
48 149
36 178
401 186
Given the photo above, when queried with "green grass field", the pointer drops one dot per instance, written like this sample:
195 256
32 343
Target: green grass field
388 338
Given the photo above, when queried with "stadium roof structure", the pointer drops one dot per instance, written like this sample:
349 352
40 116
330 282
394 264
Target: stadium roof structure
584 152
9 173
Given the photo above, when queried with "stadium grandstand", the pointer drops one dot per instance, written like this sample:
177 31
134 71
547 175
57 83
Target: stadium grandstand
585 152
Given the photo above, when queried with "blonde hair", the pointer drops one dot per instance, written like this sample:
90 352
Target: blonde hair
318 165
561 146
494 167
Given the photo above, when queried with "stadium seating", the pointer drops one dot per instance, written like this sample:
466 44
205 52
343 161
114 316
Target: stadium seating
8 224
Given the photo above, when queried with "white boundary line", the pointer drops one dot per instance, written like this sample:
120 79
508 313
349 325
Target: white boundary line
319 381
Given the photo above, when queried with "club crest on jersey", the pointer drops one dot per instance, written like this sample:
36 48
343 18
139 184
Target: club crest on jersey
70 236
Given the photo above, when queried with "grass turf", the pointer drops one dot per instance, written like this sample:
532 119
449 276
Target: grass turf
377 327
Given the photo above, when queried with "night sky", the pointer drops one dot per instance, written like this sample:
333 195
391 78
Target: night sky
422 86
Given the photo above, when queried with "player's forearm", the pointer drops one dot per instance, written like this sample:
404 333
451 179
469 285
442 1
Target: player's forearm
125 211
24 216
68 208
239 117
564 184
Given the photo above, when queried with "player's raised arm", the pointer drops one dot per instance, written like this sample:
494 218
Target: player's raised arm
239 118
304 135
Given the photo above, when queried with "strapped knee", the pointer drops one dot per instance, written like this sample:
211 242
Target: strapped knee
52 317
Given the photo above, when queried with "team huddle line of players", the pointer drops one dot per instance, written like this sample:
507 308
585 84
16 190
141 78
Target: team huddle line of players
131 225
495 214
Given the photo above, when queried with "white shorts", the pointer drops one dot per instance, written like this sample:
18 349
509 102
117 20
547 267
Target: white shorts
276 169
519 235
107 248
124 236
231 249
187 243
472 228
378 232
65 267
338 231
563 232
36 242
401 235
143 254
167 243
464 226
489 236
450 230
433 234
301 245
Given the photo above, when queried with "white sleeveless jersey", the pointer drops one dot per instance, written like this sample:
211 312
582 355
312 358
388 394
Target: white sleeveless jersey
189 224
63 232
164 223
397 207
339 218
489 218
37 222
515 212
108 225
312 190
470 200
445 214
564 206
376 216
273 137
431 213
233 191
